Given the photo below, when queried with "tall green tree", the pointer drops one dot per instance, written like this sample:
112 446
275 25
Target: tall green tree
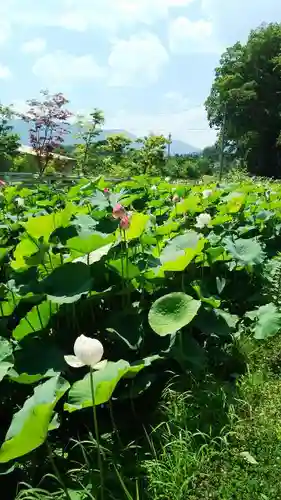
89 128
152 155
245 100
9 141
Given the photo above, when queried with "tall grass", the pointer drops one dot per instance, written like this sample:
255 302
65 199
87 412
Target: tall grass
240 458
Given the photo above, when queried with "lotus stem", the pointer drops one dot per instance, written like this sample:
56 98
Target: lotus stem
96 429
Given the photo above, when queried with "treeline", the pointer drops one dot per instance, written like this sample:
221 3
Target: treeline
117 155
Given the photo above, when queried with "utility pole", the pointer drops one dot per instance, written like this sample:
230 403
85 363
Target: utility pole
169 144
222 143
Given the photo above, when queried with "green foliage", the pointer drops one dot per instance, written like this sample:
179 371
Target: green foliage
247 90
9 142
237 459
29 426
151 157
162 295
86 152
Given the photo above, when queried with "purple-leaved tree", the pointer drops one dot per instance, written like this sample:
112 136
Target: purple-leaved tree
48 125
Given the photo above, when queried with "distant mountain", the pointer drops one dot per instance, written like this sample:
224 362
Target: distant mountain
177 147
183 148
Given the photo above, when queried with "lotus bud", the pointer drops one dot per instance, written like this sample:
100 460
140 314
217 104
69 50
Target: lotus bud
125 222
203 220
207 193
19 201
167 179
106 192
2 183
88 352
118 211
176 198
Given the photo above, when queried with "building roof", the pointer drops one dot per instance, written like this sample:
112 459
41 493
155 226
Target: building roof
28 150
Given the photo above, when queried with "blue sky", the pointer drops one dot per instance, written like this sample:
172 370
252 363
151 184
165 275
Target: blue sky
148 64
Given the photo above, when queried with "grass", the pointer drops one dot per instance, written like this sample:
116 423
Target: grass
240 462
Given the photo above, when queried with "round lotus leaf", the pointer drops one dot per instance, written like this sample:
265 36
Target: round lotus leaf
172 312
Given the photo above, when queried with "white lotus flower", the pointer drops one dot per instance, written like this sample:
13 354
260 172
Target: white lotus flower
19 201
203 220
167 179
88 352
207 193
153 188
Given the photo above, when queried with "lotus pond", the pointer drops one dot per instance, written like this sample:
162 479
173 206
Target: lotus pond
167 278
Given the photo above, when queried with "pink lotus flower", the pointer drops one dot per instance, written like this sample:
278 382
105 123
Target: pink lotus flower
125 222
118 211
2 183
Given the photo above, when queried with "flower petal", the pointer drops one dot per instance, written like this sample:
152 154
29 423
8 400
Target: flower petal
88 350
73 361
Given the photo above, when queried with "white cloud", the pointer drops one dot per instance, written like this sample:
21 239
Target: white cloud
192 36
190 126
111 14
137 61
5 31
34 46
61 66
175 101
178 3
107 14
235 22
20 106
5 72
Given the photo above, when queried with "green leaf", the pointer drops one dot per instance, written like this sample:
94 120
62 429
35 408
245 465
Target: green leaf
246 251
23 250
75 190
80 246
221 282
4 252
221 219
137 226
188 240
216 254
172 312
191 204
68 283
29 426
205 296
181 250
167 229
248 458
268 322
216 321
95 256
188 353
8 304
35 360
36 320
104 382
125 269
6 357
45 225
